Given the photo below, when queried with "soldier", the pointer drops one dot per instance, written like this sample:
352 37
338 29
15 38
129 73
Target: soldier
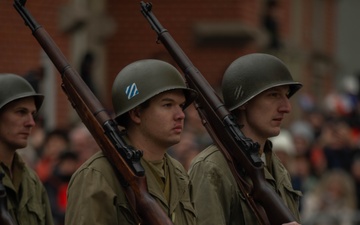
149 97
27 199
256 88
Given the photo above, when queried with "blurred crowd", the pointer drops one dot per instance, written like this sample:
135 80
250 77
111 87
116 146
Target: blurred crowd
320 149
55 155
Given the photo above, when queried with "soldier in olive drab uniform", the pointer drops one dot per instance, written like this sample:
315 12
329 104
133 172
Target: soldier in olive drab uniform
27 200
256 88
149 98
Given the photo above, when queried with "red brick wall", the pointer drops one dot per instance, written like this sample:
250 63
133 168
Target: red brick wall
134 39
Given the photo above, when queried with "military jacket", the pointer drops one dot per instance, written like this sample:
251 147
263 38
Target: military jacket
217 198
96 197
27 200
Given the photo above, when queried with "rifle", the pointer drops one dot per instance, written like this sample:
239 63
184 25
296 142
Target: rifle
5 218
124 159
224 130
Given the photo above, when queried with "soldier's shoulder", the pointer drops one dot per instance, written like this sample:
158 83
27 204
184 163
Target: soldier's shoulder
209 154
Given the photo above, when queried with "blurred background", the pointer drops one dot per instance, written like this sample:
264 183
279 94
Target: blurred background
317 39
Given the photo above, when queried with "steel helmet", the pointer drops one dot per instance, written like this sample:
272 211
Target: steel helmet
13 87
142 80
252 74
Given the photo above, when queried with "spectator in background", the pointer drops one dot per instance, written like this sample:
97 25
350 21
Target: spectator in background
55 142
337 145
57 183
82 142
303 178
333 200
309 152
303 136
316 119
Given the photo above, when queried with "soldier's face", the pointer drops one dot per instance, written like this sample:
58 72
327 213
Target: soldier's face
264 114
162 121
16 122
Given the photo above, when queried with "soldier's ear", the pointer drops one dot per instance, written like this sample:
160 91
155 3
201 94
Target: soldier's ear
135 115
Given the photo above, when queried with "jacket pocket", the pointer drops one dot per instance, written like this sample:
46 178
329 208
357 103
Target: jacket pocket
189 214
124 212
36 214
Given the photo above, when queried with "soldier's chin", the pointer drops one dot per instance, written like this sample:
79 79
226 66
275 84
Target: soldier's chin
275 133
174 141
20 145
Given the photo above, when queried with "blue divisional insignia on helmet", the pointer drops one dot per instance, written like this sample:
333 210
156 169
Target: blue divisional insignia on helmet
131 91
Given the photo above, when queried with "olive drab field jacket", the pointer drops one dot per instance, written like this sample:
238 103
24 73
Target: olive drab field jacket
27 200
95 196
217 198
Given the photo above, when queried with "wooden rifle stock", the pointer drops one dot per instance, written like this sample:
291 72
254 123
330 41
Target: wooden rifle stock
224 130
124 159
